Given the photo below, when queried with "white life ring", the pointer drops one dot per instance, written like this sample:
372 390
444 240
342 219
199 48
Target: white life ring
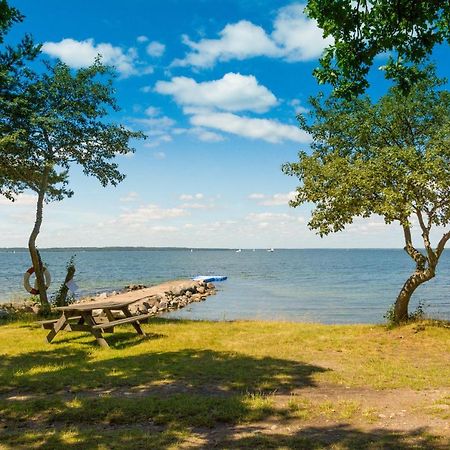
26 281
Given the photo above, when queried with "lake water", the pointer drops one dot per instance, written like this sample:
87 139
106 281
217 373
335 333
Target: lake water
329 286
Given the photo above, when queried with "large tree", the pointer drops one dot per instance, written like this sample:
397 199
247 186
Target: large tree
390 158
55 119
405 30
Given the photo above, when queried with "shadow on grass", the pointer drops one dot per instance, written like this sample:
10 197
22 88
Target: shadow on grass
340 436
343 437
72 369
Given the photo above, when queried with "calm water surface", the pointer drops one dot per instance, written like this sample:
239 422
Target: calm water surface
329 286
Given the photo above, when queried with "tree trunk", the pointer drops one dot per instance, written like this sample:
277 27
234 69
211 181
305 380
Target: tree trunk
35 257
411 284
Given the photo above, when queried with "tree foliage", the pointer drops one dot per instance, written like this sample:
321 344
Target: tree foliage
405 29
13 72
390 158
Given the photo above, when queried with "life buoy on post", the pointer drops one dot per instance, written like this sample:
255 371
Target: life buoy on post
26 280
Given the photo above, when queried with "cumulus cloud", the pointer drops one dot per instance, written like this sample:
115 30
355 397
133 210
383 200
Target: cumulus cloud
273 200
299 37
77 54
149 213
266 129
188 197
142 39
294 38
233 92
206 135
241 40
155 49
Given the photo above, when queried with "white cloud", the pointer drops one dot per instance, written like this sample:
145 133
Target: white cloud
256 196
273 200
152 111
205 135
146 89
233 92
299 37
142 39
257 217
130 197
77 54
299 109
294 38
265 129
149 213
20 200
241 40
189 197
155 49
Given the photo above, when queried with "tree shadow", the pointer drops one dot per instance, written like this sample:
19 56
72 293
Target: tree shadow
337 436
187 370
135 437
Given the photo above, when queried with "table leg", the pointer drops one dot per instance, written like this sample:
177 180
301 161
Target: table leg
136 324
89 320
58 326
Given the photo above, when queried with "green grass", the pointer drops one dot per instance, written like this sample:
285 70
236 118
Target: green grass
187 377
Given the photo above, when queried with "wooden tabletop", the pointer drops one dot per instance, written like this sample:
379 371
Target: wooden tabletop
95 305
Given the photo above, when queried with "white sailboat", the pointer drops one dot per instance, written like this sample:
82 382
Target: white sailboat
270 250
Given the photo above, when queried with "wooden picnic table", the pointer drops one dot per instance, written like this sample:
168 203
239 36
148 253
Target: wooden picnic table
79 317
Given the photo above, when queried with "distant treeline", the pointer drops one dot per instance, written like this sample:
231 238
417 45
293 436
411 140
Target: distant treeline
107 249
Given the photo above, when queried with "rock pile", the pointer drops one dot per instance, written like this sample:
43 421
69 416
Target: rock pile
22 307
178 297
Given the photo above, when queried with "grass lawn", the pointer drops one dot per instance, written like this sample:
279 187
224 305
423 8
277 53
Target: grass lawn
226 385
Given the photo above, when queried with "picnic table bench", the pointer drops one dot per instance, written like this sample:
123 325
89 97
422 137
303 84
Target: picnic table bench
79 317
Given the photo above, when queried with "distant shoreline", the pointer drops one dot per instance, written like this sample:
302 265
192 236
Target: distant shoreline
94 249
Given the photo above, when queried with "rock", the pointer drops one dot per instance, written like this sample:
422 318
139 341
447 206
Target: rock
162 305
135 287
102 295
196 298
201 290
188 294
210 286
36 309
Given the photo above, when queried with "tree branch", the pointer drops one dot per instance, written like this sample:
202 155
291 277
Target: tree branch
432 259
441 244
419 259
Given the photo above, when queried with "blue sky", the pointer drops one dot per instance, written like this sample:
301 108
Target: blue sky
216 86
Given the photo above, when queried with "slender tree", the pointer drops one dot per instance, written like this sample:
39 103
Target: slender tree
405 30
59 118
390 158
